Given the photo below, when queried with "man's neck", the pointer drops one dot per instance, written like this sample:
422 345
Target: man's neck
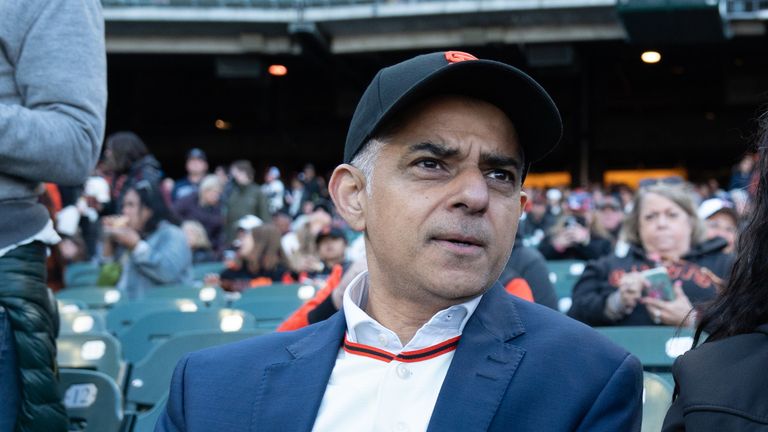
402 317
194 178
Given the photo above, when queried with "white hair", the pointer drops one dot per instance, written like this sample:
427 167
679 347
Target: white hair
365 160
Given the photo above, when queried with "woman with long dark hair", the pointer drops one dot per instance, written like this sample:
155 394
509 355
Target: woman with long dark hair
151 248
721 384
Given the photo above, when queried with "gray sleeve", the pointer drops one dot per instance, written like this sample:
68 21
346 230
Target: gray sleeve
55 135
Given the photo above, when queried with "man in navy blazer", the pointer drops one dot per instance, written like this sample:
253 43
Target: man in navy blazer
426 339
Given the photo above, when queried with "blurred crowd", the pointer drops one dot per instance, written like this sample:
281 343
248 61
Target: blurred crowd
145 229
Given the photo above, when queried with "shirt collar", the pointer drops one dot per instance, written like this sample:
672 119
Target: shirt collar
363 329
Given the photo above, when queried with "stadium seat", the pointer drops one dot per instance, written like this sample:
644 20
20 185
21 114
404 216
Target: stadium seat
199 271
564 274
145 421
657 397
657 347
208 295
84 321
70 305
124 314
81 274
93 297
94 351
151 377
92 400
155 328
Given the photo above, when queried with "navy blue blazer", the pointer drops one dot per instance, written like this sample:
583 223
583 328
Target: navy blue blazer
518 366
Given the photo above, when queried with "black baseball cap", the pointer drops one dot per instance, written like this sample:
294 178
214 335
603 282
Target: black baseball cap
197 154
398 87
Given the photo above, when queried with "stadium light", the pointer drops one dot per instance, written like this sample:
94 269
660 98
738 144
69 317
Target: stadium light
277 70
650 57
223 125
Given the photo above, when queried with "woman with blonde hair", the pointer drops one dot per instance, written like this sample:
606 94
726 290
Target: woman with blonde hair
664 234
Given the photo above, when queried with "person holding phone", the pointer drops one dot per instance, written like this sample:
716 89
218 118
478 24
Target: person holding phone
663 231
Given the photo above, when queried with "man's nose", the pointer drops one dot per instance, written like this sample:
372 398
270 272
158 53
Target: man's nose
470 191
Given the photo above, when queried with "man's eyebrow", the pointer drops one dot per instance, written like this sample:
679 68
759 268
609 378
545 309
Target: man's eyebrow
438 150
498 160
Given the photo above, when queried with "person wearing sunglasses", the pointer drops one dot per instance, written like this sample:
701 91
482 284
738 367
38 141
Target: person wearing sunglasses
663 231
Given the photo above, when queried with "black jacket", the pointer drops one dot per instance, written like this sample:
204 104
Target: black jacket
601 278
528 263
721 386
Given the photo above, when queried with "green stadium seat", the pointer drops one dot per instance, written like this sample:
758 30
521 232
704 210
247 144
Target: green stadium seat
155 328
151 377
92 400
84 321
93 297
125 313
209 295
657 397
657 347
70 305
268 312
81 274
145 421
564 274
199 271
94 351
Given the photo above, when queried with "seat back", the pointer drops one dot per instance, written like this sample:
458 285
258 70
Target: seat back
94 297
155 328
199 271
564 274
95 351
84 321
657 397
92 400
151 377
145 421
81 274
657 347
122 316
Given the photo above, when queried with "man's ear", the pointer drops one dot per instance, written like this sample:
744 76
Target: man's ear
347 189
523 201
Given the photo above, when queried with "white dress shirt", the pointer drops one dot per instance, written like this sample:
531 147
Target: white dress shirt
377 384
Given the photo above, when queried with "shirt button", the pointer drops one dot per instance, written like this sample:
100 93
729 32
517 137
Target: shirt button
401 427
403 372
383 339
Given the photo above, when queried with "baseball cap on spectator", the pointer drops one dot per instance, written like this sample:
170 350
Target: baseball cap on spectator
608 201
554 194
97 188
580 201
332 233
399 87
712 206
196 153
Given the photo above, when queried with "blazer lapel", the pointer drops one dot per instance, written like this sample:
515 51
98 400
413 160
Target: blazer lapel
290 392
482 366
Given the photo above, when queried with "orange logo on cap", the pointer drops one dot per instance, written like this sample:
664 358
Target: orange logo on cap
458 56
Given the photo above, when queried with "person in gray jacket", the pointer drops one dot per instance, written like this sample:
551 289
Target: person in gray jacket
152 250
52 107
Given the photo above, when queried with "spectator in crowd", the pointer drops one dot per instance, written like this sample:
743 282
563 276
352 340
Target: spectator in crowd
608 218
128 161
199 244
537 221
439 197
296 197
526 275
274 189
574 236
259 261
245 198
53 96
197 168
331 249
720 385
300 245
205 207
313 186
663 230
720 220
147 242
742 173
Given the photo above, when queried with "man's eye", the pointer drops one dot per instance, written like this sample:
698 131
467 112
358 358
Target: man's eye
428 163
501 175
